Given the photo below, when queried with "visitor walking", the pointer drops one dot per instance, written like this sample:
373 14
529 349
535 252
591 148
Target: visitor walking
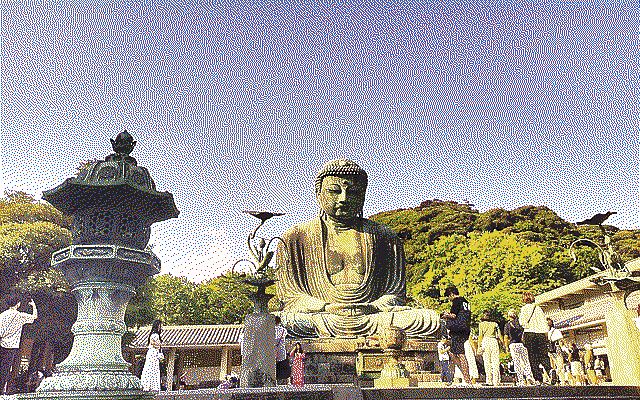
555 352
589 364
470 355
283 368
598 367
150 377
458 323
566 355
443 358
534 337
577 369
513 334
11 323
297 365
488 337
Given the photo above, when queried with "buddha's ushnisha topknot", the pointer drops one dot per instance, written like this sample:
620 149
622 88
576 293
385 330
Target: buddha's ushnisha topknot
341 167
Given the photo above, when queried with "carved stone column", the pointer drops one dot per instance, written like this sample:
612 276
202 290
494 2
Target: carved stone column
113 203
258 367
96 361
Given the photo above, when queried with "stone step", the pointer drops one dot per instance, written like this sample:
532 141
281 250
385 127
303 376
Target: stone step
426 376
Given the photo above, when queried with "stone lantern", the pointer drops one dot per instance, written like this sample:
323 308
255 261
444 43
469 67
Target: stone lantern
113 202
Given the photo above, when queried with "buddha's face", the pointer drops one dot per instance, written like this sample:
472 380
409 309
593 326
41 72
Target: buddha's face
341 198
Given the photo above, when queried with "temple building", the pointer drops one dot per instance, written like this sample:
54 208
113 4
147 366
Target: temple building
582 310
196 356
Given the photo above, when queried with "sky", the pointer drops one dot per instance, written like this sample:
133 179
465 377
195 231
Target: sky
237 106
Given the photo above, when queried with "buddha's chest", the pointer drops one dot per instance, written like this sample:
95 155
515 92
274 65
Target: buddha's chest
345 257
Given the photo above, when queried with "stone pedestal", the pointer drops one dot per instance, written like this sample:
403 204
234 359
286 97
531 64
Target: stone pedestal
393 373
623 342
360 361
95 361
258 367
258 351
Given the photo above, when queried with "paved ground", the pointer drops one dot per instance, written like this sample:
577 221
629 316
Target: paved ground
345 392
349 392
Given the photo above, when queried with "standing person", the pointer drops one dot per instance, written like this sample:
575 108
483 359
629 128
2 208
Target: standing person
11 324
459 326
297 365
488 337
470 354
555 352
589 365
151 372
513 336
534 337
283 368
566 354
577 369
443 357
598 366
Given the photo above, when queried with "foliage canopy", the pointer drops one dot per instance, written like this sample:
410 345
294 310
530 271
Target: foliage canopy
495 255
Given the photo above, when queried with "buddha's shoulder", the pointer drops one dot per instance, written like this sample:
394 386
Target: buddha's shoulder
302 229
313 226
379 229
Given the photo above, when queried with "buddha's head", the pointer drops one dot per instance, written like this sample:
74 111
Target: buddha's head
340 189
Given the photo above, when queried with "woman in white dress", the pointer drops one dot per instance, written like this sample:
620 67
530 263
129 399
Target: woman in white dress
151 372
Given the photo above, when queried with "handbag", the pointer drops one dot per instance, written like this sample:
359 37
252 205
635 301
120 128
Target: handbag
283 369
531 316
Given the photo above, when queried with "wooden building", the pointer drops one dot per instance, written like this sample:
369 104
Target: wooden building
587 311
196 356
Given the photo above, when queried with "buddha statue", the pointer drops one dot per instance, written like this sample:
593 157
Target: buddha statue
341 275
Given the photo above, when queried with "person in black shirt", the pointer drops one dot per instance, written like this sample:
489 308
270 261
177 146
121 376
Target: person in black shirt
459 326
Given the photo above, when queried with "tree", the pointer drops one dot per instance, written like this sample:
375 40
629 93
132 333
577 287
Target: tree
495 255
222 300
172 299
177 301
30 231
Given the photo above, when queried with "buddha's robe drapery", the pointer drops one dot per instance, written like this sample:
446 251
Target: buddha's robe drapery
305 287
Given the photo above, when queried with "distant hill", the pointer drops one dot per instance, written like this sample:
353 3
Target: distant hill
495 255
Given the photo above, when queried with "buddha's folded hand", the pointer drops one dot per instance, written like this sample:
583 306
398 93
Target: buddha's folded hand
351 310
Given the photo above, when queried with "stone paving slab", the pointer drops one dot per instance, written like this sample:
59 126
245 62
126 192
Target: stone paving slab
348 392
506 392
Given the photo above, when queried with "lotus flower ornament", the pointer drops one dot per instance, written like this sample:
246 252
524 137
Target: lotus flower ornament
259 247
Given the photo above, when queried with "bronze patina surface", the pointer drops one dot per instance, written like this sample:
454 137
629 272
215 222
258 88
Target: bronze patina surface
341 275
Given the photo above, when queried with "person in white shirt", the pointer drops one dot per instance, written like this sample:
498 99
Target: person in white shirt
11 323
534 338
443 357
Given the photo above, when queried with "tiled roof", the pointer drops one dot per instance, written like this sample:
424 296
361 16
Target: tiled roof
582 284
186 336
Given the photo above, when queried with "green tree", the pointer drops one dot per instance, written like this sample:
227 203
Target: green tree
30 231
222 300
495 255
178 301
172 299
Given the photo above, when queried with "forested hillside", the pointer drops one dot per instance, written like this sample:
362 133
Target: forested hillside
491 256
495 255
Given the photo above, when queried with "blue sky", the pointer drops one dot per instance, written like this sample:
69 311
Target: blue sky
236 106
